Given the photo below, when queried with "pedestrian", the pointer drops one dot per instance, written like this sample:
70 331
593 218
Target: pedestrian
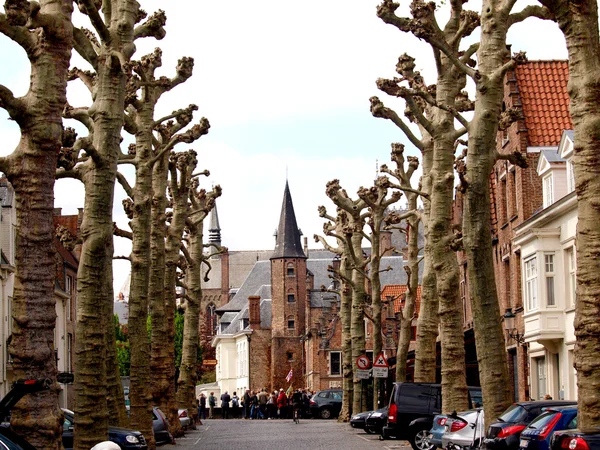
263 397
272 405
202 407
282 404
225 399
235 403
246 404
212 402
305 404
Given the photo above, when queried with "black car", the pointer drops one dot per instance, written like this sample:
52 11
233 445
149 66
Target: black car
506 432
411 411
326 404
376 421
359 420
123 437
575 440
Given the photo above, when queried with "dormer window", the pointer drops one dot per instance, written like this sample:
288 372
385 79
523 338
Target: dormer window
548 190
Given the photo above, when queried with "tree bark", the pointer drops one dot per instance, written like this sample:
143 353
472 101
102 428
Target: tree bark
346 313
579 23
31 170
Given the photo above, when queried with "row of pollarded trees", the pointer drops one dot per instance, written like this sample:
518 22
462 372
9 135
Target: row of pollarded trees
166 209
437 111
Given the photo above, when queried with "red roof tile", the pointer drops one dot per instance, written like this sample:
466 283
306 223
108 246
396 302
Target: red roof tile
545 101
399 291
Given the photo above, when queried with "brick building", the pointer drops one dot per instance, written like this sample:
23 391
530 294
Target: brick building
280 319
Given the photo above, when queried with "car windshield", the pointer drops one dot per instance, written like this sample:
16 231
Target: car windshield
515 413
542 420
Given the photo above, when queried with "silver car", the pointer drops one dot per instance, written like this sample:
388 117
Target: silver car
464 430
184 418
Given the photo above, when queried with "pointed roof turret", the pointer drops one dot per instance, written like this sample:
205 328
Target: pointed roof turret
214 230
288 234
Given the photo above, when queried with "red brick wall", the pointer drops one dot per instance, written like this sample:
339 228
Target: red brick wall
260 359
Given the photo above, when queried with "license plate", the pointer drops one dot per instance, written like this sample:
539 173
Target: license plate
523 443
376 415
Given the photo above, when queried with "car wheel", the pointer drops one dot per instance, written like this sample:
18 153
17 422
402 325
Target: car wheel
325 413
420 440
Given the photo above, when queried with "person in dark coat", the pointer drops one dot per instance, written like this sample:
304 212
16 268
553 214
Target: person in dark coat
247 404
225 399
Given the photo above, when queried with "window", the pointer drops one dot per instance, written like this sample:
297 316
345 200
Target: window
291 323
572 275
570 176
211 319
531 283
290 270
413 333
291 298
290 356
69 367
335 363
549 272
548 191
69 291
513 191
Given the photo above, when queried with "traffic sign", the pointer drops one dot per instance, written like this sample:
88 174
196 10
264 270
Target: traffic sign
380 372
363 363
65 378
363 374
380 361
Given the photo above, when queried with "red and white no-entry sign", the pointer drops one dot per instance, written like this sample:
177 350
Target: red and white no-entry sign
363 363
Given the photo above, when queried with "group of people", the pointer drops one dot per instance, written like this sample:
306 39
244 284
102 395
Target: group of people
258 404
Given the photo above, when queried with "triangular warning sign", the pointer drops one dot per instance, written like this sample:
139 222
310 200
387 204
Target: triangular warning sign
380 361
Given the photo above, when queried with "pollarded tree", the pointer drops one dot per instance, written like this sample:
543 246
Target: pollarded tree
353 233
578 21
343 274
44 31
201 203
412 216
108 50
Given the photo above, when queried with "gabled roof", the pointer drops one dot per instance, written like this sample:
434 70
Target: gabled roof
545 101
567 142
288 234
398 291
548 160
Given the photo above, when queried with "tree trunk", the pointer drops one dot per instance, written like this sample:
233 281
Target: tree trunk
579 24
140 395
345 315
95 292
375 265
31 170
357 330
489 335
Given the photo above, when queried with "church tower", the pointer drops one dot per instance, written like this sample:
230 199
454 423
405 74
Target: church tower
289 298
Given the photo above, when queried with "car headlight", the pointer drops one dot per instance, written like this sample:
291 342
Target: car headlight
132 439
354 417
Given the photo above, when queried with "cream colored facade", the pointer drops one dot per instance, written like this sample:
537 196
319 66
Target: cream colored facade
546 244
232 353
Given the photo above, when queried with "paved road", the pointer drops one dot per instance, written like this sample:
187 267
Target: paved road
309 434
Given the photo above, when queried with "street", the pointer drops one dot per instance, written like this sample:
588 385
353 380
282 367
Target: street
309 434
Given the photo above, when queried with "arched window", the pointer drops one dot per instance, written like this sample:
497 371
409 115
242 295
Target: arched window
290 270
291 297
291 323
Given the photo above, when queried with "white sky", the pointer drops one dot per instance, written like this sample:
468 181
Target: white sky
286 87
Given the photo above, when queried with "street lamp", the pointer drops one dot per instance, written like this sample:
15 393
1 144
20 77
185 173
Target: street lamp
510 327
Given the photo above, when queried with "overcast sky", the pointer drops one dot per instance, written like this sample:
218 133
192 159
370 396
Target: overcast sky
286 87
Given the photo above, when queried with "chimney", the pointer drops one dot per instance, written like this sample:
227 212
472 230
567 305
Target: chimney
254 311
385 243
306 246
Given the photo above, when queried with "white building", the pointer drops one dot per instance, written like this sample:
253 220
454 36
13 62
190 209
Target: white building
546 243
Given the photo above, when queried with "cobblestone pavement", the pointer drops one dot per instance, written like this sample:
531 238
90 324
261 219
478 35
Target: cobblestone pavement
309 434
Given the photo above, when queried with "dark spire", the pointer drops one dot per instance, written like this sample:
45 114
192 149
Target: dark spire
214 230
288 234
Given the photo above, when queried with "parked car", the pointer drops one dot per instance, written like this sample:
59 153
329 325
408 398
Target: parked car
411 411
125 438
376 420
326 404
539 432
359 420
184 419
575 440
464 430
505 433
160 425
437 430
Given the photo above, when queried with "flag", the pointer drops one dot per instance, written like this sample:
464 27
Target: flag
289 390
289 376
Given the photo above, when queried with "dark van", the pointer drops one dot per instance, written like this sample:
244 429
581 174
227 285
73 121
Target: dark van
411 411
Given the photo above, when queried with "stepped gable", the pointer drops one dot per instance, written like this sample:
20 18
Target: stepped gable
545 101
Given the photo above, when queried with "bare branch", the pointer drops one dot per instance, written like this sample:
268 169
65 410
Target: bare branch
97 22
125 184
127 258
515 158
541 12
12 25
122 233
13 106
84 47
379 110
152 27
